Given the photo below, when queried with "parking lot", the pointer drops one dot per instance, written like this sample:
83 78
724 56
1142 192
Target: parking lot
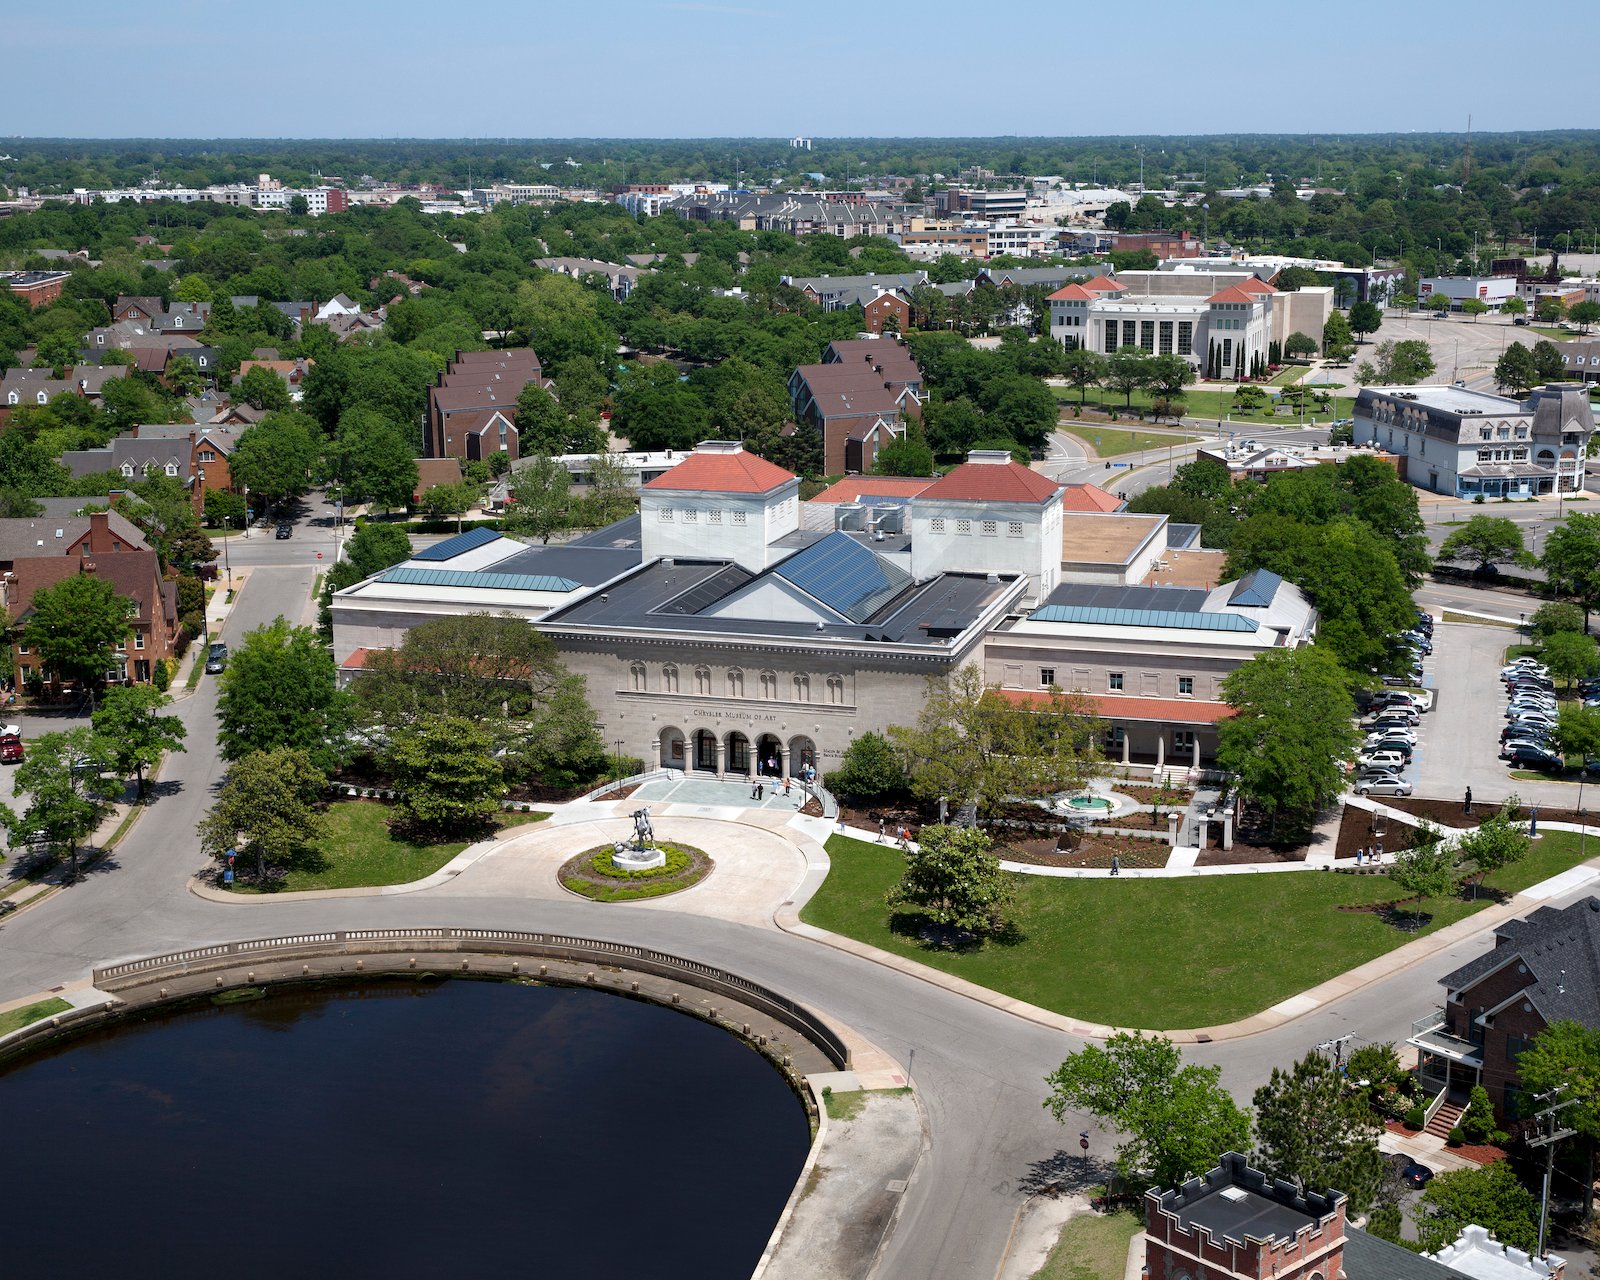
1410 771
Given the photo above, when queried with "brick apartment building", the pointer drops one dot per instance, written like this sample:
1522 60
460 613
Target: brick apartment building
36 288
856 398
472 412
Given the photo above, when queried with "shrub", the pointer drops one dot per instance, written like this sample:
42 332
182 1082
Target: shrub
1415 1118
871 769
1456 1137
1477 1122
161 677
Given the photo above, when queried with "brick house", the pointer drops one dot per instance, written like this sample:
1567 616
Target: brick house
197 455
36 288
472 412
1544 968
855 398
144 311
102 543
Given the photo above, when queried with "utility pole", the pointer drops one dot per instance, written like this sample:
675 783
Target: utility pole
1335 1049
1547 1138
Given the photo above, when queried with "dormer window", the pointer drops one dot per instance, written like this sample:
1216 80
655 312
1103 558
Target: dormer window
172 468
127 470
43 397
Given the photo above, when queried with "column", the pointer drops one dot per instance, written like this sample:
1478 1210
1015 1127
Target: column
783 759
1197 751
1161 749
722 753
1125 759
752 766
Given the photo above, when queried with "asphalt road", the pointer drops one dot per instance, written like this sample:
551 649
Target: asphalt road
979 1071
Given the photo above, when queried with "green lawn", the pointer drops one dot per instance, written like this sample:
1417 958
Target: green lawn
1158 953
1112 442
357 850
1092 1246
31 1013
1201 403
1288 374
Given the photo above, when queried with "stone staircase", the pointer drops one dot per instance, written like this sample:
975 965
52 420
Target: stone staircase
1445 1119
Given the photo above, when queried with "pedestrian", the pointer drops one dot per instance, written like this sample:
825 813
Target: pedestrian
905 837
786 786
880 830
1377 852
1116 865
752 790
1466 804
1360 853
761 791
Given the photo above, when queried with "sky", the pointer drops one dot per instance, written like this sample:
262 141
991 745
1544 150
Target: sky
824 68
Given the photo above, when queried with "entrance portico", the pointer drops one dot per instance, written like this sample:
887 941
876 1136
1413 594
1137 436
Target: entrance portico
734 753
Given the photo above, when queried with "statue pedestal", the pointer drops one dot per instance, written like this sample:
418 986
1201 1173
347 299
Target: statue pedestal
631 858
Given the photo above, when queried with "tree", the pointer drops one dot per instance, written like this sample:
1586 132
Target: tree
497 672
971 745
299 206
904 456
266 809
1298 344
542 424
870 770
192 288
1566 1056
1127 370
1584 314
224 508
1083 369
537 505
279 689
1486 541
449 499
274 459
1571 560
1175 1120
1500 840
1474 307
1313 1131
371 460
1578 729
1555 617
1438 303
1168 375
953 880
1337 342
1427 869
262 388
1547 362
611 495
76 626
1515 369
1549 309
1489 1196
450 782
1571 656
1399 363
128 720
375 547
1290 734
68 792
1365 318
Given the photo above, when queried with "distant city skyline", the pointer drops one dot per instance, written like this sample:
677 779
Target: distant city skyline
693 69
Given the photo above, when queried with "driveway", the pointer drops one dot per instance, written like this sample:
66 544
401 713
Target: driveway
1461 737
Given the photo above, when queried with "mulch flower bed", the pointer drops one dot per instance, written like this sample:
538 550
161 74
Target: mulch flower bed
1362 829
619 793
1478 1153
1448 813
1093 851
1244 852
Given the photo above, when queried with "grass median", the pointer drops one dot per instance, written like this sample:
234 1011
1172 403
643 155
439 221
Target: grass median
1092 1246
1159 953
16 1019
1113 442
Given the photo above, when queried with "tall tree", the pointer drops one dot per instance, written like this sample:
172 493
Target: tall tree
129 720
1571 560
1364 318
1083 369
76 626
279 689
1290 734
1548 365
955 881
1175 1119
1515 370
1490 1197
1311 1130
539 504
449 780
68 792
1485 541
275 458
1566 1056
263 388
267 809
371 460
1571 656
1127 370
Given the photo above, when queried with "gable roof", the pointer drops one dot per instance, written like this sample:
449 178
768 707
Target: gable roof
1071 293
1255 284
1089 497
849 578
723 470
1560 946
1103 284
855 488
993 482
1233 293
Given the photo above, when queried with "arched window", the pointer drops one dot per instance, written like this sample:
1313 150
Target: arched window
702 681
669 679
802 688
769 685
636 677
836 690
735 683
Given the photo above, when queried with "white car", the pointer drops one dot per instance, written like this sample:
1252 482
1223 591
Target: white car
1392 735
1392 759
1384 787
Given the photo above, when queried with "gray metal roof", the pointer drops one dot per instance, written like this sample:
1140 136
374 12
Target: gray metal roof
1145 618
845 576
450 548
1256 589
1165 599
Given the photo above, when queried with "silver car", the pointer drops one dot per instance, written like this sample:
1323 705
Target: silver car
1384 787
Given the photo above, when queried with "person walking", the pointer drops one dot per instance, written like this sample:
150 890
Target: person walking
1116 865
881 826
786 786
1466 804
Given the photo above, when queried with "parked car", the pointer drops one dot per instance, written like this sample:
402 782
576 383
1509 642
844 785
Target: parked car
1369 758
1392 720
1393 735
1539 757
1414 1174
1384 787
11 751
216 658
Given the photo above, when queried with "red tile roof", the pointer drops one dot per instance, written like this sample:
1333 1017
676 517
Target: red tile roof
1233 293
1089 497
853 488
357 659
1071 293
1103 284
993 482
1255 284
1112 707
708 472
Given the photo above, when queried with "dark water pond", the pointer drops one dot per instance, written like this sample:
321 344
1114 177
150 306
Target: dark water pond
394 1130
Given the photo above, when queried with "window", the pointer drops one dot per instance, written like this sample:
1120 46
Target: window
1111 336
1147 335
769 685
1183 740
738 517
22 648
735 683
1185 337
172 468
636 677
1130 333
802 688
1516 1046
1522 432
714 517
937 524
1484 433
1186 686
138 642
1013 528
990 528
702 681
1114 681
963 526
1166 337
836 689
207 456
690 515
666 515
1047 676
669 679
42 397
127 470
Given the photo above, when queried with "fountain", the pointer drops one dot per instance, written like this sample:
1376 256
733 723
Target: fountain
639 854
